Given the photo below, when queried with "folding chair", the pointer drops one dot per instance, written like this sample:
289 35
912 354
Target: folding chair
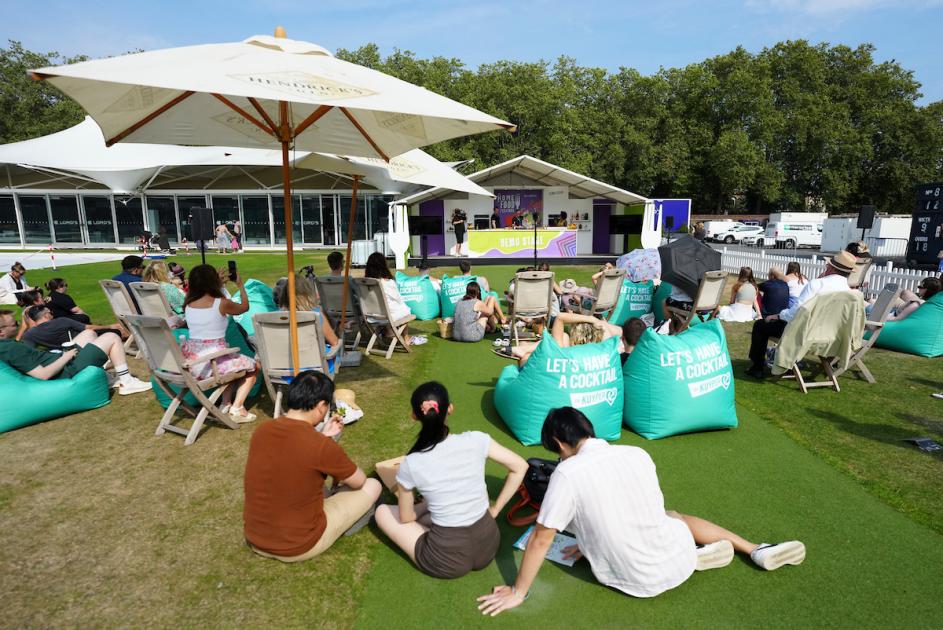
121 305
533 293
168 367
330 289
376 315
605 293
274 350
709 294
860 273
151 300
873 324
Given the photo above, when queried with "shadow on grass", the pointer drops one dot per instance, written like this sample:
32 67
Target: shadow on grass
885 433
935 385
490 413
935 426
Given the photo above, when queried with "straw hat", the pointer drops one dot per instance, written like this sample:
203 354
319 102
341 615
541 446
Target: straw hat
348 397
843 261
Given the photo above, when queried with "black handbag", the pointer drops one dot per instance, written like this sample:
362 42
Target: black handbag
532 490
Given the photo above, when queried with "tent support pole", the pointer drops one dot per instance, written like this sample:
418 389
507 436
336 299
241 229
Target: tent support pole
285 137
350 237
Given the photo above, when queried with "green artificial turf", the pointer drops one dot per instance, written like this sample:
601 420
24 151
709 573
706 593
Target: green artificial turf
104 524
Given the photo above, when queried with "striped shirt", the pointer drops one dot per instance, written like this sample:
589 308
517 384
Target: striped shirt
608 497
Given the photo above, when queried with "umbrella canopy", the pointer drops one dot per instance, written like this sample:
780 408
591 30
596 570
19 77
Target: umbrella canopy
228 94
640 264
414 167
685 261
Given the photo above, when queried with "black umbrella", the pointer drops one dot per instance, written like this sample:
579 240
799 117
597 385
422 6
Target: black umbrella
685 261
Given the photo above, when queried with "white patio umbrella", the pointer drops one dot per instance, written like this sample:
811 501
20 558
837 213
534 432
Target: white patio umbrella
264 92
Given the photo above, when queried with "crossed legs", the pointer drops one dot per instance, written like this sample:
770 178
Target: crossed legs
404 535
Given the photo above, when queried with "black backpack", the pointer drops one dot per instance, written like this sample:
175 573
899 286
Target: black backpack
532 491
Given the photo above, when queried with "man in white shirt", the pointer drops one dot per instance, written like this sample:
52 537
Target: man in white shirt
608 496
834 278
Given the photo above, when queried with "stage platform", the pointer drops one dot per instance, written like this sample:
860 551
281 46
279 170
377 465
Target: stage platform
523 261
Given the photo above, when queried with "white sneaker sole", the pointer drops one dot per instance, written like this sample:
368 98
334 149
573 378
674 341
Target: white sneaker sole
127 391
715 555
792 552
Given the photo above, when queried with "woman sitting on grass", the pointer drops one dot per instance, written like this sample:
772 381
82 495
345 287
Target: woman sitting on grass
452 531
377 268
744 306
473 316
207 312
158 273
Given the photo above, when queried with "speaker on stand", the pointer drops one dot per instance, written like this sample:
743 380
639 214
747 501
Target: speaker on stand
865 219
202 228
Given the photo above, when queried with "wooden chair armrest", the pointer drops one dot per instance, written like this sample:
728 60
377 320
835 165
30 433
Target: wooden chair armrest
212 356
334 350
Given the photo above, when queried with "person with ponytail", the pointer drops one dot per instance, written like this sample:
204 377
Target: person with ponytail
453 530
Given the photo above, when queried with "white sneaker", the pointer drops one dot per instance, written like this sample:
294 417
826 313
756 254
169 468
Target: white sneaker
417 341
715 555
938 395
132 386
772 556
239 415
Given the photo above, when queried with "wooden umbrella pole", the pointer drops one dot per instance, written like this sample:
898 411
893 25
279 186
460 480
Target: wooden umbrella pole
284 132
350 240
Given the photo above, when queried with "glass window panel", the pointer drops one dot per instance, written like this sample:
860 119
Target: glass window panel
278 217
9 231
329 225
379 213
65 218
360 219
161 217
183 208
311 219
130 219
255 221
35 220
98 219
226 209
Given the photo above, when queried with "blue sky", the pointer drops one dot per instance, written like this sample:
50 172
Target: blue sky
609 34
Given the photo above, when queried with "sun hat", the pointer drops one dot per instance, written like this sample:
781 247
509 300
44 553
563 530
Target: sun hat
346 396
842 261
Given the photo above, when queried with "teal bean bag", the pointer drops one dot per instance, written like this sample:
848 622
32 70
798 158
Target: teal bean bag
260 301
452 291
921 333
29 400
680 384
235 339
662 293
586 377
635 300
419 294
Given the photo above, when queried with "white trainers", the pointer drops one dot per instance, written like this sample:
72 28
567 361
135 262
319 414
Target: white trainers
239 415
714 555
772 556
417 340
132 386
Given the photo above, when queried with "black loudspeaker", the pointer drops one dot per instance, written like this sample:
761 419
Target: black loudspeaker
425 226
670 223
865 217
201 224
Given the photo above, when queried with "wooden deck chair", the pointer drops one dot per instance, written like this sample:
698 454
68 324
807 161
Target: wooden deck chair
151 300
860 273
709 294
605 293
274 351
121 305
533 294
873 324
168 367
376 316
330 289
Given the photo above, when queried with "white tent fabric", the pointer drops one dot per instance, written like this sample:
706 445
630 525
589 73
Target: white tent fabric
363 112
413 167
546 174
127 167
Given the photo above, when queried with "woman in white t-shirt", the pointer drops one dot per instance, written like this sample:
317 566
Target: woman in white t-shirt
377 268
452 531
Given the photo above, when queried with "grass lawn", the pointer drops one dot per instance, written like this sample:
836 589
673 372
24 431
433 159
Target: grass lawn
104 524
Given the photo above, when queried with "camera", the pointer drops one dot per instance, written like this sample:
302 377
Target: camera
308 271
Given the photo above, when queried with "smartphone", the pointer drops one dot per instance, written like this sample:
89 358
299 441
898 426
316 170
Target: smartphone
232 270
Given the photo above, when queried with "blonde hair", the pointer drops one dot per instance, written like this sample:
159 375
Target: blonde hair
584 333
306 295
157 271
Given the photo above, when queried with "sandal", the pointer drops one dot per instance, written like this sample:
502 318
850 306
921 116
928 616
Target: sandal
505 353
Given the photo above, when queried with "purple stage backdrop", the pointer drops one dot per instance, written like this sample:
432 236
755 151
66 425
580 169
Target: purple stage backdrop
510 203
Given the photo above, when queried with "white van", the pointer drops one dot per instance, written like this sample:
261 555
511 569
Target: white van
792 234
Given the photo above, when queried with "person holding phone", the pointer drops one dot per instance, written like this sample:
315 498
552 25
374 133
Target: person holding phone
207 312
289 514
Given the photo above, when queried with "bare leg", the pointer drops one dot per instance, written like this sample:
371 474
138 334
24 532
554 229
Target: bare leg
242 390
404 535
496 308
705 532
110 343
85 337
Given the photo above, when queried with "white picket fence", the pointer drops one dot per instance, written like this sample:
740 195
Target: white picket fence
760 262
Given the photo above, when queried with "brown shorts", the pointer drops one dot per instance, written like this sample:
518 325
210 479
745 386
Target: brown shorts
451 552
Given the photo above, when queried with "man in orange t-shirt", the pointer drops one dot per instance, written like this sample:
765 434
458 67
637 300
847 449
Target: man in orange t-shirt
286 514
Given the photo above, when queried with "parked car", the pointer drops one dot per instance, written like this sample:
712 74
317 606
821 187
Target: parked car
712 228
737 233
792 234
